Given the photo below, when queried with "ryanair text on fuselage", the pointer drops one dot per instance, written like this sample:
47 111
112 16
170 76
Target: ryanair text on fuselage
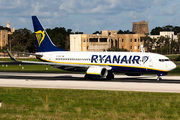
118 59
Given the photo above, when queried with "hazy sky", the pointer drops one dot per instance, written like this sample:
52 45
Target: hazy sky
89 16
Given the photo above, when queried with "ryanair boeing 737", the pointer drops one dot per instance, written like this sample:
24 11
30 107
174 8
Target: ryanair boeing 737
97 64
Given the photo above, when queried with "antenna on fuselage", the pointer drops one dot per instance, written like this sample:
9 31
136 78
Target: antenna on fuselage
142 48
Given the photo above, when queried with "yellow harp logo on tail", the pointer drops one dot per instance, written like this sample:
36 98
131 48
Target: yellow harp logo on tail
40 36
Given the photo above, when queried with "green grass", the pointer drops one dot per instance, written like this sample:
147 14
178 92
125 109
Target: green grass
31 68
173 57
64 104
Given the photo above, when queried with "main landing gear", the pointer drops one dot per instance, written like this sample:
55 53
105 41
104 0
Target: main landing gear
86 77
110 75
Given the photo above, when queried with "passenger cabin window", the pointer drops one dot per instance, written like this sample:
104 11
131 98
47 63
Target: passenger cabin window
162 60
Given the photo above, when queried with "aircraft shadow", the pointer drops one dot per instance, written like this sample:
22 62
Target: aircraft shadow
70 78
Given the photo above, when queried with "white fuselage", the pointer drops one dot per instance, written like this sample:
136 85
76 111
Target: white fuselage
118 61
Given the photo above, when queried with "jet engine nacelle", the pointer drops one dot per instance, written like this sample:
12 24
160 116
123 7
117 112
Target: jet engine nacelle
96 71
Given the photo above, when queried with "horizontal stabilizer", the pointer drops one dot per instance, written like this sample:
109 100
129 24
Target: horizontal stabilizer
34 54
10 55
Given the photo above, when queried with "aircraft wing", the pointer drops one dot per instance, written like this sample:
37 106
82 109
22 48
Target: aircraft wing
52 64
16 62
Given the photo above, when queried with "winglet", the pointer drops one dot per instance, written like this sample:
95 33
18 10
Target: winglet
10 55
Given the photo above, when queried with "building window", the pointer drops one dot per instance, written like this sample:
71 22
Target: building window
131 40
122 40
134 40
93 39
84 40
103 39
138 47
131 47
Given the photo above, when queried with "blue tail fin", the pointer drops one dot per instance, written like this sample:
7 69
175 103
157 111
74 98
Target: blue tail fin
43 42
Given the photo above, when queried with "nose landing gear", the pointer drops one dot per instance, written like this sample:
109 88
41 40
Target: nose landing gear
159 78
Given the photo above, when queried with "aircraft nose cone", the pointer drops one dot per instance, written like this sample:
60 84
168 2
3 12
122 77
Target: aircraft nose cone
173 66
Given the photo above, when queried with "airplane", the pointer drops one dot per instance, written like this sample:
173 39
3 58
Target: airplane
96 64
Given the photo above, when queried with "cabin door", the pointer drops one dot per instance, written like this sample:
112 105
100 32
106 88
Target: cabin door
151 62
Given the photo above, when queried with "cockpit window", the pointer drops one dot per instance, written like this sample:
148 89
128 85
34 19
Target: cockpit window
162 60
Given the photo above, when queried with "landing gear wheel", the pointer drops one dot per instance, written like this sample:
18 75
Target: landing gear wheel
86 77
159 78
110 76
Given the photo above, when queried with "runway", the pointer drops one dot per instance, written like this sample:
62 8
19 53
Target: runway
76 81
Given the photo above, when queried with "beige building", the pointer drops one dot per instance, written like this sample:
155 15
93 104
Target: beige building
4 35
108 39
3 38
168 34
11 30
140 27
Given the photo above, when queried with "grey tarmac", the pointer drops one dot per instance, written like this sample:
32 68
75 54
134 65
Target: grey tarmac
76 81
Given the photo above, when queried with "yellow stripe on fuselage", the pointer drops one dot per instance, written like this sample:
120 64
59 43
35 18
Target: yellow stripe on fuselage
94 73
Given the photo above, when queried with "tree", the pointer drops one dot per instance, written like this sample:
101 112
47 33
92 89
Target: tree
156 31
4 28
60 37
148 42
125 32
23 40
77 32
174 46
97 32
160 43
179 42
